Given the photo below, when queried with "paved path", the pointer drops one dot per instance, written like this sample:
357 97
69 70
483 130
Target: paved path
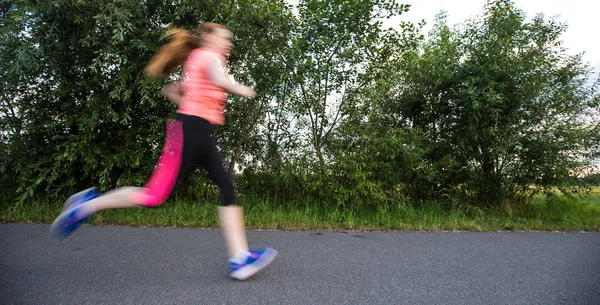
123 265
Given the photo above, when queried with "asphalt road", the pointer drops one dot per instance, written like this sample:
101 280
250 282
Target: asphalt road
123 265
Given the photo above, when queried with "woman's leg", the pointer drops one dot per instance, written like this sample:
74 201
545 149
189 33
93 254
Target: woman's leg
115 199
230 215
160 185
156 191
243 262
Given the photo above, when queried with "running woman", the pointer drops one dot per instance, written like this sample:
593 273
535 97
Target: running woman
201 99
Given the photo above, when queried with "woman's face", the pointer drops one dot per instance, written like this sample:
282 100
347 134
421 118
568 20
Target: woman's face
219 40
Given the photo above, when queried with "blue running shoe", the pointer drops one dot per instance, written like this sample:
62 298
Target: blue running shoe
67 223
81 197
71 218
256 261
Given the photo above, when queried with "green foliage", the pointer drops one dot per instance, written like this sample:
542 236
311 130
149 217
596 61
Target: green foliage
348 114
262 30
334 47
85 116
503 107
75 107
592 179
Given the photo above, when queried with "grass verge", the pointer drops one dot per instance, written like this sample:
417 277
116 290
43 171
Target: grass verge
542 214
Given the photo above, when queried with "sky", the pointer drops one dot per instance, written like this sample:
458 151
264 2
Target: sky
581 17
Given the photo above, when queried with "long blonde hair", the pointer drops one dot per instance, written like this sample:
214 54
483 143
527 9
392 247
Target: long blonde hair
174 53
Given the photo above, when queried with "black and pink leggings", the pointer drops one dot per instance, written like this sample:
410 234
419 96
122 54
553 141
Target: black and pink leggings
190 144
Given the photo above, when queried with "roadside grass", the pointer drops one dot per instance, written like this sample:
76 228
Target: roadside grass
554 213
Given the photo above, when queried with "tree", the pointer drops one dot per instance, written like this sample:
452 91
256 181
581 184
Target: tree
264 29
335 53
333 48
76 110
503 106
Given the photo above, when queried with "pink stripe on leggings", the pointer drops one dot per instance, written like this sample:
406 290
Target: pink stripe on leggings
163 179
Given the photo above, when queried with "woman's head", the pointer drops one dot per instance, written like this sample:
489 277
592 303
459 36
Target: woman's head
212 36
216 37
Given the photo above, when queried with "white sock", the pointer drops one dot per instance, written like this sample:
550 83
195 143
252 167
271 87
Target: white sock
240 258
86 209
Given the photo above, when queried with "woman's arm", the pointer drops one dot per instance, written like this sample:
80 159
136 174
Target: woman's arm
173 92
218 76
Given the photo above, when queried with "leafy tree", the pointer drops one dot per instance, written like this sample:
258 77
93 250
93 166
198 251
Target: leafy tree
333 47
347 112
503 106
336 52
376 159
76 110
263 30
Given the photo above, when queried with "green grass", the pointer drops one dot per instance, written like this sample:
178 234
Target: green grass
556 213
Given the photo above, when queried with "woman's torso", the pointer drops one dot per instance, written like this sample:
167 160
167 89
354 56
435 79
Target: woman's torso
201 97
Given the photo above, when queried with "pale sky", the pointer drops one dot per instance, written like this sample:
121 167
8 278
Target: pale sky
581 17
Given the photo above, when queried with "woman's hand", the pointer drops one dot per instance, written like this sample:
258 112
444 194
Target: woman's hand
173 92
247 92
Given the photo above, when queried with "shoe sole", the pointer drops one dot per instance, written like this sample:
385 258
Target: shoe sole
247 271
58 229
